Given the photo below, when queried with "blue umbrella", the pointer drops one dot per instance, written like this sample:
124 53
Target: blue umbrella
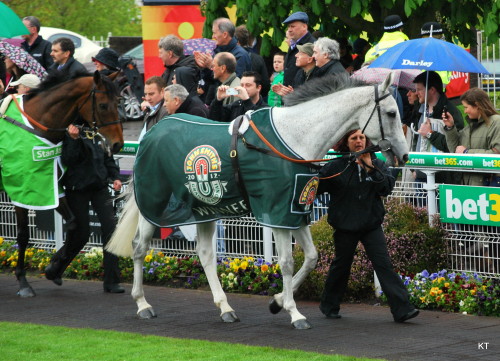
429 54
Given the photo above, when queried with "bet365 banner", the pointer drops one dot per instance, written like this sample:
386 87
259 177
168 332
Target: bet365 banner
469 205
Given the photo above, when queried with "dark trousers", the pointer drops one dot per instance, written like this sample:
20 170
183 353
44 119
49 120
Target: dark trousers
340 270
75 240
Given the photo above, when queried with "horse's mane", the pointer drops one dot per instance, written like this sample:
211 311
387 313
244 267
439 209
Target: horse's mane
319 87
56 78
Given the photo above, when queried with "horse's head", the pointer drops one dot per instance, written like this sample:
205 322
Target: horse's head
100 111
384 127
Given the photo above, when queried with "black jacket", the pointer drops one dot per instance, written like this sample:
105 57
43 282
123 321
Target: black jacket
355 196
89 166
187 61
71 68
259 65
290 68
194 106
333 67
226 113
40 50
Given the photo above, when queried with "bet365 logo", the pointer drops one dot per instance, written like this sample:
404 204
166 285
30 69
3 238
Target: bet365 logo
470 205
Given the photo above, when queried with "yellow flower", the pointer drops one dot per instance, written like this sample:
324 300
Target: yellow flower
447 284
1 241
148 258
13 263
473 292
244 265
3 253
264 268
422 299
160 254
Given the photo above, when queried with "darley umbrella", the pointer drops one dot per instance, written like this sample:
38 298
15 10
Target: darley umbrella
10 24
22 59
403 78
428 54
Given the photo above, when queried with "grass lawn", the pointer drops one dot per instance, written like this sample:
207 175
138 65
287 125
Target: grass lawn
23 342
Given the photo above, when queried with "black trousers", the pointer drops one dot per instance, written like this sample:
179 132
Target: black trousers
340 270
79 202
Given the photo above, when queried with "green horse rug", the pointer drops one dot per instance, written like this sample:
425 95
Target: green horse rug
29 165
183 175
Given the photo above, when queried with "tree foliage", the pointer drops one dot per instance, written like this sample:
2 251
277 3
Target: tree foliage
86 17
345 18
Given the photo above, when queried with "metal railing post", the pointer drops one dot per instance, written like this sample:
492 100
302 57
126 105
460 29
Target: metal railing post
431 187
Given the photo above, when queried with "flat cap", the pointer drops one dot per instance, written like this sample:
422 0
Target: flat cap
306 48
298 16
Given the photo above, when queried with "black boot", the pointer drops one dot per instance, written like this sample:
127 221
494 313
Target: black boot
52 273
67 214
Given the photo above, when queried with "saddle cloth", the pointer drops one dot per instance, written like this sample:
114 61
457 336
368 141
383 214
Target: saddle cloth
183 175
28 164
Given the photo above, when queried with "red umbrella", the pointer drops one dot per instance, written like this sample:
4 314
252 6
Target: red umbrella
22 59
403 77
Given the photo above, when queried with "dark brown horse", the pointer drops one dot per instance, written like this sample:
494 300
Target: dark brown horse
58 102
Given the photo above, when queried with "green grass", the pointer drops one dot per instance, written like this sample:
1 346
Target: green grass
23 342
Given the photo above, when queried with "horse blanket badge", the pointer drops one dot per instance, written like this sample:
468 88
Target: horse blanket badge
193 180
29 165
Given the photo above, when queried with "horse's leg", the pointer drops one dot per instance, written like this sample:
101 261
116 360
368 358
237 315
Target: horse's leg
209 263
140 244
284 246
23 235
304 239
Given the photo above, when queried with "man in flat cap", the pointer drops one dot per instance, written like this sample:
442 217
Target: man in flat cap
297 33
393 34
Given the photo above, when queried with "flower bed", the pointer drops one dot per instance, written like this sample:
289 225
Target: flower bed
454 292
247 275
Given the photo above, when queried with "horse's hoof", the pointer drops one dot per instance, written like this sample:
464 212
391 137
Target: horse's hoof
229 317
26 292
274 307
147 313
301 324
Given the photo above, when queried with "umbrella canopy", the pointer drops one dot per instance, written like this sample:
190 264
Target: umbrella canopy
403 78
10 24
429 54
201 44
22 59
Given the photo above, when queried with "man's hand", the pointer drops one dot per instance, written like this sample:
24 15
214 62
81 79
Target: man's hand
144 104
282 90
221 92
73 131
242 93
425 128
2 87
460 149
203 60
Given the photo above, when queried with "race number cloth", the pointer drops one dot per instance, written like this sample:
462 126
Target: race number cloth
183 175
29 164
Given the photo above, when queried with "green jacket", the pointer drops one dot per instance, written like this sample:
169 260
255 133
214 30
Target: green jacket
479 137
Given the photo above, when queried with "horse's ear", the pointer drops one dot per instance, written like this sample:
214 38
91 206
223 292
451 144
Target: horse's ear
387 82
113 76
97 77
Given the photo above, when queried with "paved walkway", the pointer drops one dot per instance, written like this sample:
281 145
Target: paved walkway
363 331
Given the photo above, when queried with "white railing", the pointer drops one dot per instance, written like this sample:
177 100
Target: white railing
472 248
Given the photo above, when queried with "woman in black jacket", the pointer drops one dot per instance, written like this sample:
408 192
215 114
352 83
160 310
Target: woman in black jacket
356 213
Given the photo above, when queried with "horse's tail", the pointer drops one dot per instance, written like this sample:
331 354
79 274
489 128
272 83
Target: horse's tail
120 243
